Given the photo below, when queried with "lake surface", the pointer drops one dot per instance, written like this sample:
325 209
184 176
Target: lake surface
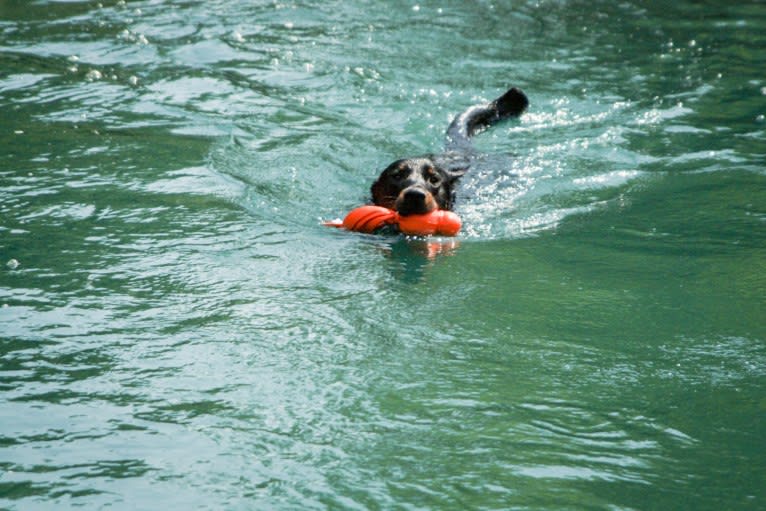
179 331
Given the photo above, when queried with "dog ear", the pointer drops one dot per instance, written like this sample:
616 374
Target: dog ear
376 189
456 173
379 193
453 165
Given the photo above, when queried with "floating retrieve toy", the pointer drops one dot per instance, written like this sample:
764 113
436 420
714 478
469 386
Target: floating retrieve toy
369 219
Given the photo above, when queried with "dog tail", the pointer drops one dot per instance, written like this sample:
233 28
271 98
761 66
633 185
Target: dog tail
479 117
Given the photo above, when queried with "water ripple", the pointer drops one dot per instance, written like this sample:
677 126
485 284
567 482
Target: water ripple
177 329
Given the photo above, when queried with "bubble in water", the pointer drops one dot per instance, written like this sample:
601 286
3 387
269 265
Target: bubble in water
237 37
93 74
133 80
12 264
760 118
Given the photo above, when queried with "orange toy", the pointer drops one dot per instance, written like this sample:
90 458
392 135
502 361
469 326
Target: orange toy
368 219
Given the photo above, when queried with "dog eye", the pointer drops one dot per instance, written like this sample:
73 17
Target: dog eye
433 178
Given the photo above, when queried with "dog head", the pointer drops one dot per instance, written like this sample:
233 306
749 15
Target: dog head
415 186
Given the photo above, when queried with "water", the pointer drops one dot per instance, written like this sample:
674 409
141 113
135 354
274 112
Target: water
178 331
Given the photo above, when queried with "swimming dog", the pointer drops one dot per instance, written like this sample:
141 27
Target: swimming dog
413 186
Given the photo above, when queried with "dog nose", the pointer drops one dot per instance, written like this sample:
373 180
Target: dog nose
415 201
415 195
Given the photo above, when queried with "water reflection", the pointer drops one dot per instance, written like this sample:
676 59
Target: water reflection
413 256
177 331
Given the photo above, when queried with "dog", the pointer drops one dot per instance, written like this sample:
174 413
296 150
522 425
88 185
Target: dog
414 186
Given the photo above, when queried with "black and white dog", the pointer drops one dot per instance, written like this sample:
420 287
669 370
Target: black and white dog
413 186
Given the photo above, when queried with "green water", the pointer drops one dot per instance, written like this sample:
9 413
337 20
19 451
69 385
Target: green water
178 331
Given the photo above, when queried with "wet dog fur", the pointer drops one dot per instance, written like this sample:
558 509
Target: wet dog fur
413 186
